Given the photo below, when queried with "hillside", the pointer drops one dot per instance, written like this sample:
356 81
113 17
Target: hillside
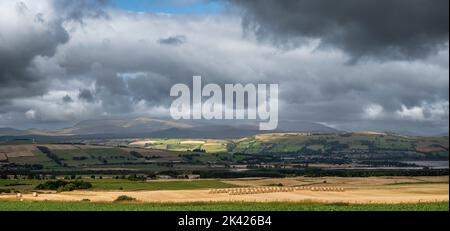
160 128
297 151
323 143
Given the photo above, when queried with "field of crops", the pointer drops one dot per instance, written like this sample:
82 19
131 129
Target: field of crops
208 145
234 206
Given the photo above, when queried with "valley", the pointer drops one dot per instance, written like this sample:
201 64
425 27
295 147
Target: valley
272 171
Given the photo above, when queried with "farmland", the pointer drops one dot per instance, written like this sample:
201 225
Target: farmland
274 155
296 142
208 145
122 184
374 143
358 190
282 171
303 146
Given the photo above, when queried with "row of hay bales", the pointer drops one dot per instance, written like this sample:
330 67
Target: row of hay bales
259 190
327 189
20 195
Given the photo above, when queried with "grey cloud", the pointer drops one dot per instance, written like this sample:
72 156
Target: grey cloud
67 99
86 95
347 90
18 76
116 71
153 88
80 9
173 40
21 7
112 91
376 29
315 86
416 128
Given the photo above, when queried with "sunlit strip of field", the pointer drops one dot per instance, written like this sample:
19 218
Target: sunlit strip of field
226 206
123 184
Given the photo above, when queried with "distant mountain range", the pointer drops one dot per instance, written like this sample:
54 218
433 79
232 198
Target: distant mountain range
12 132
150 127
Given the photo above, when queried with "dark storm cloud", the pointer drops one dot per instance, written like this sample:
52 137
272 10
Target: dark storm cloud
394 29
36 35
173 40
314 86
150 87
86 95
17 74
67 99
113 92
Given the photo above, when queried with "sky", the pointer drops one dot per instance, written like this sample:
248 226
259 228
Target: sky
353 65
171 7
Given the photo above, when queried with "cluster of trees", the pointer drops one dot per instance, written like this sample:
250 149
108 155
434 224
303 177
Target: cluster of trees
189 157
50 155
387 163
135 177
136 154
139 156
316 172
80 158
199 150
6 190
20 167
269 172
61 185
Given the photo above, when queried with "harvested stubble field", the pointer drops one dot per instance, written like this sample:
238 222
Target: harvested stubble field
371 190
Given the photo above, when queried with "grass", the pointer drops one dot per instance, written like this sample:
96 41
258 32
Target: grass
157 185
38 158
124 184
419 183
210 146
19 185
216 206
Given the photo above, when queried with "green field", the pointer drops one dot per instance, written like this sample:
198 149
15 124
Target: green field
347 142
166 185
210 146
225 206
307 143
123 184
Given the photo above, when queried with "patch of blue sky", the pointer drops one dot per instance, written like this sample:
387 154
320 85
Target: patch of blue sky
171 6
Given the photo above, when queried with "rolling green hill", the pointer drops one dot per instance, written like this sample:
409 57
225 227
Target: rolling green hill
307 143
368 142
294 150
